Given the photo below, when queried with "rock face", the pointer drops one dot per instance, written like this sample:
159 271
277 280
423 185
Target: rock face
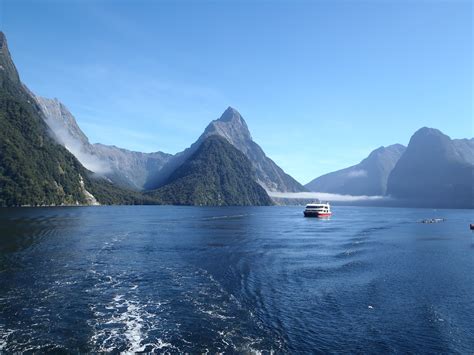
435 171
61 121
128 168
369 177
124 167
233 128
215 174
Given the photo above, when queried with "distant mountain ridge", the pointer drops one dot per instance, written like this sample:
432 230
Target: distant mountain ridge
369 177
435 171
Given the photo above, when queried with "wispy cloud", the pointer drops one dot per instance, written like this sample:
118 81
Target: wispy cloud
357 173
76 147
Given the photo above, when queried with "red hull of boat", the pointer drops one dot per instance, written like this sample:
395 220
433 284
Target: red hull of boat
316 214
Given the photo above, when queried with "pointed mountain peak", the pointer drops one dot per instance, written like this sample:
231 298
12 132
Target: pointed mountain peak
388 149
231 126
427 130
428 136
230 114
379 150
6 64
397 146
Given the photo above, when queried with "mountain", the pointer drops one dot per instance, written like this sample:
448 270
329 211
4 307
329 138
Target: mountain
215 174
145 171
7 67
369 177
233 128
132 169
435 171
129 168
124 167
34 169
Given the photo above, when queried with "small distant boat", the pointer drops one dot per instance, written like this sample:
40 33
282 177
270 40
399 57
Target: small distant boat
432 220
471 226
318 210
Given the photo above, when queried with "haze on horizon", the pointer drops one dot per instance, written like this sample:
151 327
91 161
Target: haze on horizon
320 84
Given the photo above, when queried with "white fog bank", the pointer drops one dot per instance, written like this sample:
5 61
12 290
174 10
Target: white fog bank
323 196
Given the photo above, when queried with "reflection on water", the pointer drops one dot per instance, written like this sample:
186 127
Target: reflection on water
187 279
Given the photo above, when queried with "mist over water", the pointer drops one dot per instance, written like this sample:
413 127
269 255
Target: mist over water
190 279
324 196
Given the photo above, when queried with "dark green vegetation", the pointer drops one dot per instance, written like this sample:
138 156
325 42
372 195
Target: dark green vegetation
216 174
108 193
34 170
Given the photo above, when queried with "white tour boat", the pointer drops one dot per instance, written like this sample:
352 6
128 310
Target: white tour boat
318 210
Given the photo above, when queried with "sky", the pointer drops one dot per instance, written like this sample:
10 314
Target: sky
320 83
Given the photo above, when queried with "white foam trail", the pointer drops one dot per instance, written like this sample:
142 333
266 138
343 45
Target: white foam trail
127 323
4 334
134 325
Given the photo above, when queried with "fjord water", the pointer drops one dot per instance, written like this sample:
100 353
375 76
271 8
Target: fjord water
236 279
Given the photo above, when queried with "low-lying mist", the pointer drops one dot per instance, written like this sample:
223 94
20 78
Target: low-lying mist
323 196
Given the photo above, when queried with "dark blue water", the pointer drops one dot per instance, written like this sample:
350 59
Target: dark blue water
188 279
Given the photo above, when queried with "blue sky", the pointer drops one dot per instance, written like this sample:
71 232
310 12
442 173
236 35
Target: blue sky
320 83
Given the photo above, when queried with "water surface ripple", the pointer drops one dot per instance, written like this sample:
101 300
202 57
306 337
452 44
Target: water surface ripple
253 279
